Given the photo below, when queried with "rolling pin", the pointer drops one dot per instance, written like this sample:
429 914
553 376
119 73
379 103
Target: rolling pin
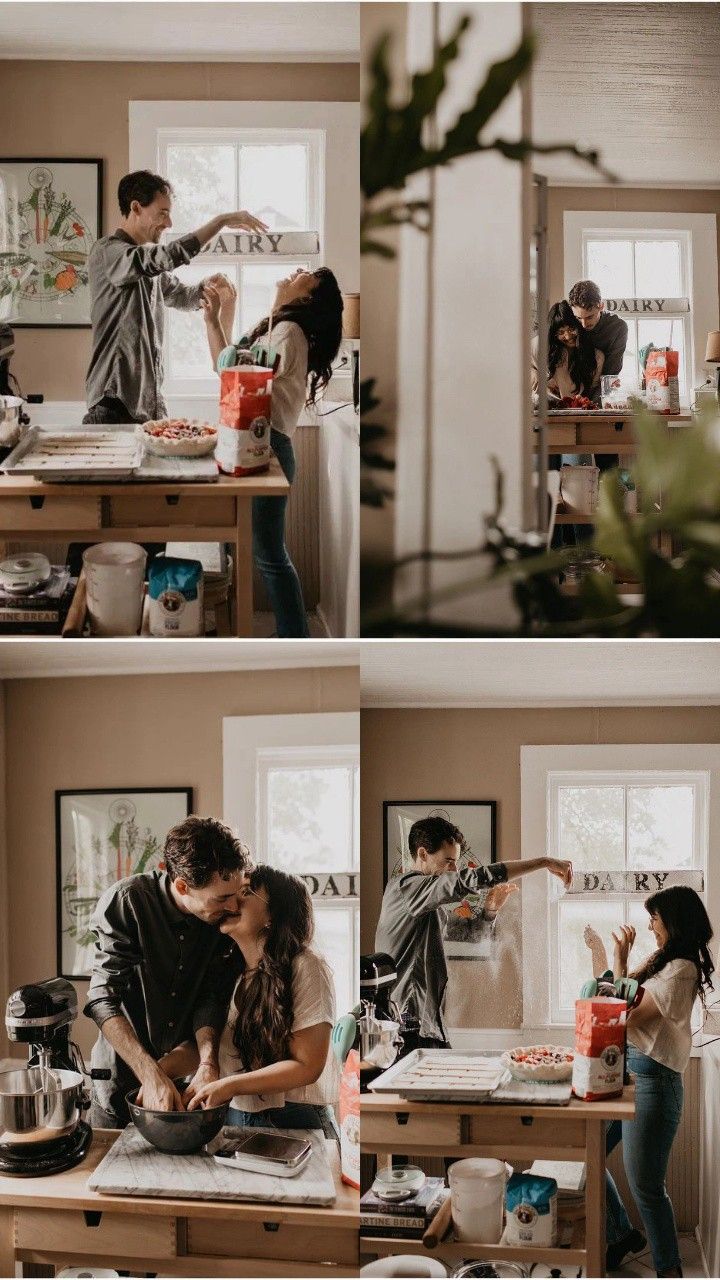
439 1227
75 620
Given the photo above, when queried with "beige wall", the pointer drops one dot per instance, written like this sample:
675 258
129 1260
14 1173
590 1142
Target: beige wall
122 731
4 907
461 754
618 199
55 109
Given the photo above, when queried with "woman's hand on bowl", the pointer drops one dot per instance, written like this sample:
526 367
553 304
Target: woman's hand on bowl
207 1073
214 1094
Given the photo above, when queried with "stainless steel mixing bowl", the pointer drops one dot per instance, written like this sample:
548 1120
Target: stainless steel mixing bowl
177 1132
38 1106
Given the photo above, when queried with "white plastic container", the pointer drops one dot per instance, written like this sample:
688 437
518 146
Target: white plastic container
115 574
477 1199
405 1264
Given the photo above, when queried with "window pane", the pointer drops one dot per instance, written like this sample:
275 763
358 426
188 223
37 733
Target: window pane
274 186
257 291
610 265
310 819
203 178
187 346
334 940
575 962
658 269
660 827
590 827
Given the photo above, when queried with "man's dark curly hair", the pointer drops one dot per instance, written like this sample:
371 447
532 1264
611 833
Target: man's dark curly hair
200 848
432 833
585 294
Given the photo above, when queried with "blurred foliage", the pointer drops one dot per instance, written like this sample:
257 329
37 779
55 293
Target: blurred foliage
372 492
397 139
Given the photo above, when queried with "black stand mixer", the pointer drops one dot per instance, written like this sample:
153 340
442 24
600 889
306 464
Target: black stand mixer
379 1027
41 1105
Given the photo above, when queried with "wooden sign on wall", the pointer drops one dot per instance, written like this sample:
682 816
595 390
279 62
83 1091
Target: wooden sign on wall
265 244
341 884
646 306
635 882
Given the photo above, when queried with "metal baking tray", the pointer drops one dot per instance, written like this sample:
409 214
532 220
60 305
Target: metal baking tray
443 1075
75 455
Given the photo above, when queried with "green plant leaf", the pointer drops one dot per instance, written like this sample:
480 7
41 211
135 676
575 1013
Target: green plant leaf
614 535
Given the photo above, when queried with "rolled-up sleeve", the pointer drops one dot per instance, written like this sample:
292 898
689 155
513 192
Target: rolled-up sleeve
184 297
211 1008
117 955
421 894
125 264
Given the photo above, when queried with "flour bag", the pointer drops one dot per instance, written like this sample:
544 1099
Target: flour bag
531 1211
350 1120
599 1065
243 446
175 597
661 380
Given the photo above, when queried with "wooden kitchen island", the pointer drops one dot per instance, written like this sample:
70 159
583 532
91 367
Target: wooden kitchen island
393 1126
56 1221
147 511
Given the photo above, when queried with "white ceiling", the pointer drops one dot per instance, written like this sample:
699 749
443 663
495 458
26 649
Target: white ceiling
639 81
258 31
22 659
538 673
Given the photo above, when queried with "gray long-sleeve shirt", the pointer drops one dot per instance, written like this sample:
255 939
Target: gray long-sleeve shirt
410 930
130 285
165 971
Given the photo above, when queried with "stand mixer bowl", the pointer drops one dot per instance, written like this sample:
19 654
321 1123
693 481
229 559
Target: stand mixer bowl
38 1105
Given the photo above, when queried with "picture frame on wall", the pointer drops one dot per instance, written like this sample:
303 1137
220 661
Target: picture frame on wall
465 934
50 217
102 836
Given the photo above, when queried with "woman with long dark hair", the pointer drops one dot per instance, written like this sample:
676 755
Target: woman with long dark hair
574 366
305 334
659 1041
274 1056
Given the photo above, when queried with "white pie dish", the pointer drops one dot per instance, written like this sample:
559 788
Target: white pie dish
555 1063
192 446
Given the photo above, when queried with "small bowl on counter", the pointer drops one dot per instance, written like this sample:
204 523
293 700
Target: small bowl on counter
177 1133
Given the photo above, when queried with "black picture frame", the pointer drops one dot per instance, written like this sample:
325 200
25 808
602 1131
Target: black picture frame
443 808
99 165
183 811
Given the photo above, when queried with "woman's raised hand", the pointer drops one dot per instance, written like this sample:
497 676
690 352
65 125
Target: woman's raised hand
211 302
623 943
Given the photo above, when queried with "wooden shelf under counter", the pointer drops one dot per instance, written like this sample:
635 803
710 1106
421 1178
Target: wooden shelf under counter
393 1126
587 432
57 1221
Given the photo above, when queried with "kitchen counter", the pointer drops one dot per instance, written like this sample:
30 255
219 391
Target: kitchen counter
218 511
393 1126
57 1221
601 432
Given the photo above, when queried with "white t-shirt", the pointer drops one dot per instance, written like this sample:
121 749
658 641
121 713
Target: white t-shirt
313 1003
667 1037
289 388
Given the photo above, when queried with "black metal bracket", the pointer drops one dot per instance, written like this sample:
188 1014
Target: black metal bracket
271 1226
172 499
402 1117
92 1217
37 502
527 1121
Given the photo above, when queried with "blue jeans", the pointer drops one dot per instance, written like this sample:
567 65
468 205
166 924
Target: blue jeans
647 1141
271 555
294 1115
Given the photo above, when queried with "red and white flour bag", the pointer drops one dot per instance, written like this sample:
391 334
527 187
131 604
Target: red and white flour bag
599 1065
661 381
350 1120
243 445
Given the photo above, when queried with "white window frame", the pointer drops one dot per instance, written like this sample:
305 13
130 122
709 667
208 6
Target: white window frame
332 132
540 768
697 233
699 782
252 745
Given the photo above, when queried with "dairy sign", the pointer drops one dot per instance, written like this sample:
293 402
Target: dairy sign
597 883
647 306
263 244
340 884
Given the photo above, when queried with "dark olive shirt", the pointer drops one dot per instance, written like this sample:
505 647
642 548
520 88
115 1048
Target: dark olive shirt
410 930
165 971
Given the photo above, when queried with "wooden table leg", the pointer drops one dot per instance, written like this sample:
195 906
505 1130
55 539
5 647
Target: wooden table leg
595 1197
7 1241
243 568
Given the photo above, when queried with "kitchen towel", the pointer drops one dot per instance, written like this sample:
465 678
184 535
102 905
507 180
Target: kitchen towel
133 1168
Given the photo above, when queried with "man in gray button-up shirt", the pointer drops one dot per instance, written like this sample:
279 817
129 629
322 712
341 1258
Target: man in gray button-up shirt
162 971
130 285
410 924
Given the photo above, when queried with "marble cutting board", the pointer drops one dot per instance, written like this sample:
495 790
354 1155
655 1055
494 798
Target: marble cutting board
133 1168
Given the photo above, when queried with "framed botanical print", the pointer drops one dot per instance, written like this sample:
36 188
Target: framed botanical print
465 933
50 217
102 837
